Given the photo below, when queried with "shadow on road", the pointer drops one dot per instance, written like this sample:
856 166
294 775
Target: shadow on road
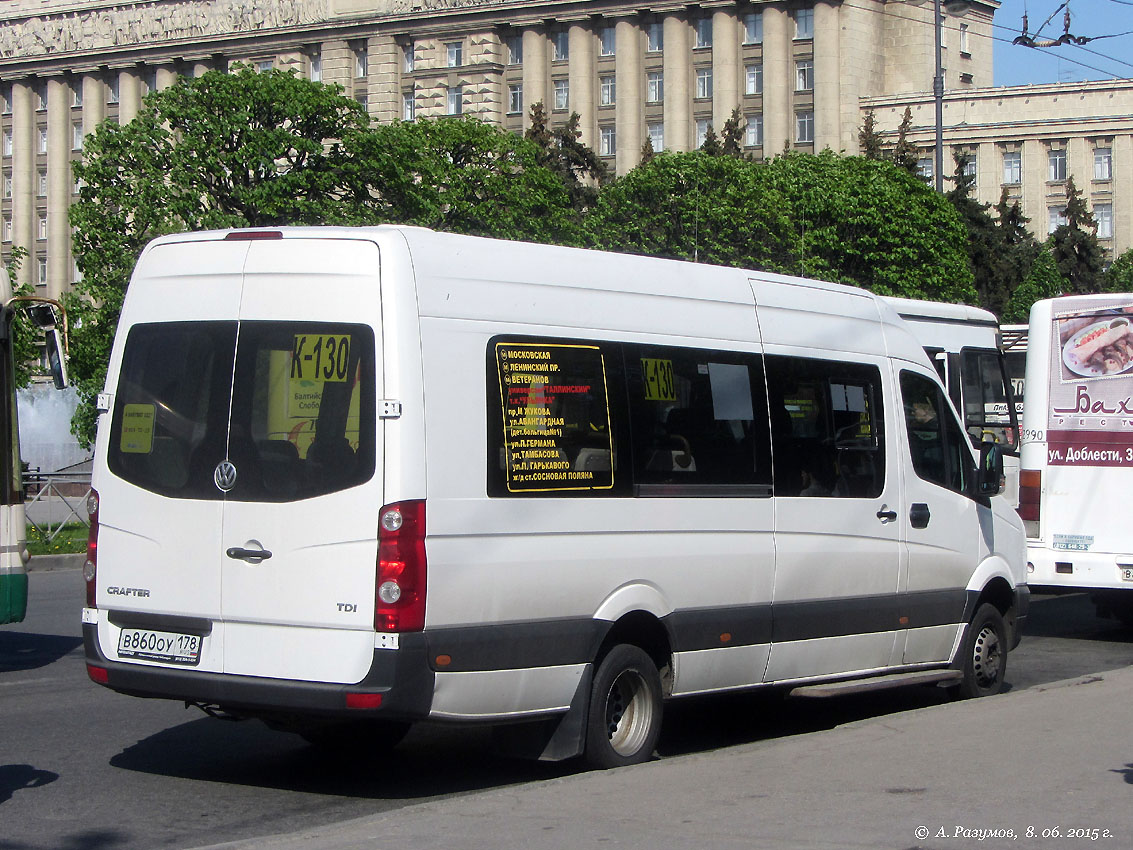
1072 615
24 651
19 777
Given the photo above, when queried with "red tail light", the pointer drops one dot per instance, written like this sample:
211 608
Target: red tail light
98 675
90 568
399 605
1030 489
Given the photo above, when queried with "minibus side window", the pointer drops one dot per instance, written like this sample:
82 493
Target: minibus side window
985 397
827 430
699 422
554 410
936 441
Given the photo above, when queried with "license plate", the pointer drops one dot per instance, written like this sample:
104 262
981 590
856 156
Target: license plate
150 645
1127 574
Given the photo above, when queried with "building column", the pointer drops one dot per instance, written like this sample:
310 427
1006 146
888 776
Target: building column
535 86
677 65
94 102
24 175
166 76
726 67
778 115
58 186
630 105
129 95
1034 201
828 129
1122 201
385 76
581 77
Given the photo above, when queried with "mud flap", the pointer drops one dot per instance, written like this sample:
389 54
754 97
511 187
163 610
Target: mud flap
562 737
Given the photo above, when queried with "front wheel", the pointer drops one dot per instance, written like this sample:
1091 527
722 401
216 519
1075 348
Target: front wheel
625 709
985 654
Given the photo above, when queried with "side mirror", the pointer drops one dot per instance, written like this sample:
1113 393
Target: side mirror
55 359
990 479
42 315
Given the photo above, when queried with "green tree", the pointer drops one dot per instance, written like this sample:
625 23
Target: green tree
983 237
732 136
904 152
561 149
1015 249
459 175
220 150
1119 276
1042 281
691 206
870 223
869 140
1074 245
711 144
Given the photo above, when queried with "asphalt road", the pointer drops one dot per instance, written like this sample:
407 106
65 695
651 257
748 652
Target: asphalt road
82 767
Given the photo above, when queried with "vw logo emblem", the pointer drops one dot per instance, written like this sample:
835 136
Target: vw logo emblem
225 475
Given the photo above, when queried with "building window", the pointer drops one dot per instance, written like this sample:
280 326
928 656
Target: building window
409 58
704 32
753 134
925 167
515 49
1103 215
754 75
1055 218
41 181
77 136
265 65
606 35
965 47
562 93
7 143
607 90
515 99
657 136
702 125
455 100
42 268
1103 163
804 75
804 23
76 185
7 185
1056 160
408 106
560 46
7 229
112 90
655 87
41 140
454 53
363 100
361 61
970 168
42 225
753 28
315 68
607 140
1012 167
804 126
655 37
41 97
704 82
77 94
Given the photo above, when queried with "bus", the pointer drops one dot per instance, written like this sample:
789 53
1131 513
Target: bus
44 313
1077 455
965 346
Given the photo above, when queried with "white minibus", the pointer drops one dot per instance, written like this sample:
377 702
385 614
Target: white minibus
351 479
1078 448
965 345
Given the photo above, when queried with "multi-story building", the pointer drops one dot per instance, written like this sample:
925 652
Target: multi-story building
798 71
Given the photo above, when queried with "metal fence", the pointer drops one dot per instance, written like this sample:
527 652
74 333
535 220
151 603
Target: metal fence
55 500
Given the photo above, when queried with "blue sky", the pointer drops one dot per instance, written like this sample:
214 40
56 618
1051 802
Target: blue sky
1101 59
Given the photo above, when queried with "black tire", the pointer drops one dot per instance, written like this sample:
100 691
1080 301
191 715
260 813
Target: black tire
625 709
356 736
984 654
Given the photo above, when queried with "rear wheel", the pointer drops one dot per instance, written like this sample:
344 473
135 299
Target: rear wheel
625 709
985 654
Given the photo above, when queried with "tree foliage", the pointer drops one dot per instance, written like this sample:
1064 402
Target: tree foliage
983 237
869 140
1074 245
561 149
1119 276
1042 281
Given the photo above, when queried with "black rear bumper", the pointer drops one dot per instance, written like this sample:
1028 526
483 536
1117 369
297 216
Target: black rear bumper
402 676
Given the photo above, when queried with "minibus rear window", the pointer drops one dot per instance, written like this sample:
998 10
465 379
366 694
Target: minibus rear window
291 406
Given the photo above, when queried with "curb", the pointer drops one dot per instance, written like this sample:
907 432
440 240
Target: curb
43 563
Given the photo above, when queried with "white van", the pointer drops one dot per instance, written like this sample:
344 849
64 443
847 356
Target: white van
393 475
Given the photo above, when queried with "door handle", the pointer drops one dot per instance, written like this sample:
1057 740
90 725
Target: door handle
919 515
252 556
886 514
